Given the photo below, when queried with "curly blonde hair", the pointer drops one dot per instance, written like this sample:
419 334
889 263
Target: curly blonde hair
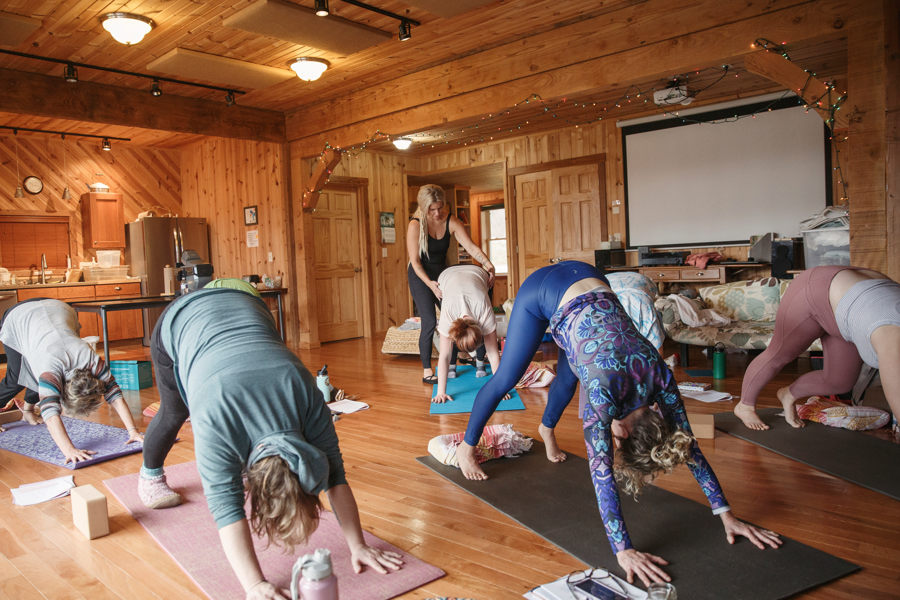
653 446
466 333
428 195
279 508
83 393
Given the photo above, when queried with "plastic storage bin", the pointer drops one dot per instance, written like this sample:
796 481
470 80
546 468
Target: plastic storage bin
828 246
108 258
132 374
105 274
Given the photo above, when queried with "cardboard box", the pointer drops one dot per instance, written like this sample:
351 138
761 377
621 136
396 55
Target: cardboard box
703 426
89 511
132 374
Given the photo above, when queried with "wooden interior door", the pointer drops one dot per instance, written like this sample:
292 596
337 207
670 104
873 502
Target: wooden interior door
534 222
338 265
579 212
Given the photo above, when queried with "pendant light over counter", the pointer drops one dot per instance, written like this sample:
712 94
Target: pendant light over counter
19 193
65 195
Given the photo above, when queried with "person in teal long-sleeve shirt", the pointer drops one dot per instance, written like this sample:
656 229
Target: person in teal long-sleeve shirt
254 409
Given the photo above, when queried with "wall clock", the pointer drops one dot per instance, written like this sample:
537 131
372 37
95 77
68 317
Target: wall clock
33 185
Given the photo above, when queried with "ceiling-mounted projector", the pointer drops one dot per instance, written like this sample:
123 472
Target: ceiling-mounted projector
677 94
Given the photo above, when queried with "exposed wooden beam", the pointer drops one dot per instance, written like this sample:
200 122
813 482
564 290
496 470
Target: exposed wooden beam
45 96
775 67
820 20
327 162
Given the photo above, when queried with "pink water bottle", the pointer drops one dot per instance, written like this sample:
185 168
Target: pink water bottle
313 577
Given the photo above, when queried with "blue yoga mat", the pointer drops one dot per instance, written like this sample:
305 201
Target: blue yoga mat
463 390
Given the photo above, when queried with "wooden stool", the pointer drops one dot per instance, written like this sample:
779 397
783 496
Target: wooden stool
89 511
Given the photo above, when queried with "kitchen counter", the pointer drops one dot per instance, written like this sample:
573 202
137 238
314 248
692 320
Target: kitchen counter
31 286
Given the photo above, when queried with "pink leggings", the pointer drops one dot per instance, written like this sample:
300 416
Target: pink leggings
805 315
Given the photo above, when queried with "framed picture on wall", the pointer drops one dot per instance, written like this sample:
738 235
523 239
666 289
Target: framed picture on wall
251 216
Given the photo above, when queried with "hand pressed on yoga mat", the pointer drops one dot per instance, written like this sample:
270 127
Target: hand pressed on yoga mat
266 591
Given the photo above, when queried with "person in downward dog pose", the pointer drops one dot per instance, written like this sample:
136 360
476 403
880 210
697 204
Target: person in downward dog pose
58 369
255 410
856 314
467 323
623 375
427 241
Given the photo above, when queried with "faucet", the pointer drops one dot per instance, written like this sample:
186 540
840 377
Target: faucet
43 267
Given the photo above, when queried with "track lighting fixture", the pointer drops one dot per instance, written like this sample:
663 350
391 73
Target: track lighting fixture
229 99
154 89
405 31
402 143
322 8
127 28
106 145
308 68
71 74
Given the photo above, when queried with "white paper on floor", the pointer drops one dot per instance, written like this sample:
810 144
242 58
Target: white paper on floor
347 406
708 396
559 590
42 491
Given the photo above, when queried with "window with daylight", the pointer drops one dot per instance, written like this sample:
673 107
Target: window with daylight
493 227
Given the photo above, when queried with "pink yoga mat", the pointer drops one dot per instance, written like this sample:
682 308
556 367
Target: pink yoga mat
188 533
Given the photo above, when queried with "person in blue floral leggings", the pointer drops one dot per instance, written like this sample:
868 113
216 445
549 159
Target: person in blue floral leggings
623 376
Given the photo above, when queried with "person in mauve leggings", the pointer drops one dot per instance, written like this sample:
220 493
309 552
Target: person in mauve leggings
856 314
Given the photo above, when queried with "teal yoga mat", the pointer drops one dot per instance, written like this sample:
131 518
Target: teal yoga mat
463 390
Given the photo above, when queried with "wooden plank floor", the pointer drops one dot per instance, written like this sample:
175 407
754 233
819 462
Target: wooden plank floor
485 554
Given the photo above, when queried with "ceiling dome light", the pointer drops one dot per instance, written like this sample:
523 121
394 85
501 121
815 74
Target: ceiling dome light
402 143
126 28
322 8
405 31
308 68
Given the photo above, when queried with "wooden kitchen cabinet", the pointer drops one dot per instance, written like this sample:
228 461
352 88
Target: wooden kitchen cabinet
125 324
90 323
103 217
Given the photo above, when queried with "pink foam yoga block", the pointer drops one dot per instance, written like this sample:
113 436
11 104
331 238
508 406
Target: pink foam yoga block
188 533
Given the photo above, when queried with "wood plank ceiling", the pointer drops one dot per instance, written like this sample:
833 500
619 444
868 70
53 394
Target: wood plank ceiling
71 30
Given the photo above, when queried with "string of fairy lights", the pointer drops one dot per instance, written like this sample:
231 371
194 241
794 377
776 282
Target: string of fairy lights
484 130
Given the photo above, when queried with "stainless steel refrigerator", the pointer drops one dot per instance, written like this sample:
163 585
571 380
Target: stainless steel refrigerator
151 245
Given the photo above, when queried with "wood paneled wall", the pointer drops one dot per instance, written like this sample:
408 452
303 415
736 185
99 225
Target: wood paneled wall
221 176
148 178
387 192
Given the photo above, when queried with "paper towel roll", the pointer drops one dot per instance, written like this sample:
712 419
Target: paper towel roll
169 277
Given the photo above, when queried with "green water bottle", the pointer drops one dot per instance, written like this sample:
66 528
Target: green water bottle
719 361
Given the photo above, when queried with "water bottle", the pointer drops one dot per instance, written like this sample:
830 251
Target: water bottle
323 384
719 361
312 577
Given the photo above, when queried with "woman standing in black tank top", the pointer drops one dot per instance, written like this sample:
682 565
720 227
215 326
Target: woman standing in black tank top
427 241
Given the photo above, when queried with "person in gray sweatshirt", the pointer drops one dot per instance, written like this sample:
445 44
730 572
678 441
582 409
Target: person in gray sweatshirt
255 412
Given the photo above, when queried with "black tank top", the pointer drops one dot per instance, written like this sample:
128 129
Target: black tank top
437 250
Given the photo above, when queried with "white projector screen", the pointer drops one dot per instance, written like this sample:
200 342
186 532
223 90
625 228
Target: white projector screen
711 184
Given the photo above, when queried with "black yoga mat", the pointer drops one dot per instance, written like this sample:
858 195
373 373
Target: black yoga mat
850 455
557 501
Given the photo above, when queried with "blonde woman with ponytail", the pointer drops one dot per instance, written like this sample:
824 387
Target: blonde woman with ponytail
623 376
427 241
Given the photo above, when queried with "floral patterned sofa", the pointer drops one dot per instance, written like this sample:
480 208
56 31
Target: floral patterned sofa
751 306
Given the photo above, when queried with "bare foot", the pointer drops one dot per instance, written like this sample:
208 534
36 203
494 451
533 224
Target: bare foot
554 454
790 411
467 463
748 415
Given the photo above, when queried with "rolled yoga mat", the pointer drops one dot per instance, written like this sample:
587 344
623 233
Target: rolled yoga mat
463 390
557 502
853 456
189 535
35 441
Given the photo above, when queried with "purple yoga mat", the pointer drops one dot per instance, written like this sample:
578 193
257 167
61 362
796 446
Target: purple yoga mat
189 535
34 441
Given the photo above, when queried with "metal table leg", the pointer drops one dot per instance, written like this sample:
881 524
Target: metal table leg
105 336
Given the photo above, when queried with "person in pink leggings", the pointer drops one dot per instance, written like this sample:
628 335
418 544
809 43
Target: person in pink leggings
856 314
